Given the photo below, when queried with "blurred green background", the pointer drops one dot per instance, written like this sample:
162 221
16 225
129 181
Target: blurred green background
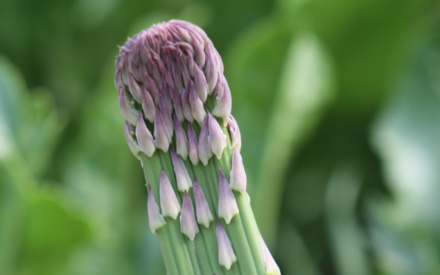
338 103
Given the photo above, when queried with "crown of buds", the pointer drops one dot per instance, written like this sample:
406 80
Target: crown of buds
173 94
169 71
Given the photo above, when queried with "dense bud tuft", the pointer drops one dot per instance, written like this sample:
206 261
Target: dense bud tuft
175 99
172 69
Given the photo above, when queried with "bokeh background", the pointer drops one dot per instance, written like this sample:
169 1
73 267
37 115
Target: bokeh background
338 104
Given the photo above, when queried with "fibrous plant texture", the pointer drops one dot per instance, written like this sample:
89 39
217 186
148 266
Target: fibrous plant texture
177 106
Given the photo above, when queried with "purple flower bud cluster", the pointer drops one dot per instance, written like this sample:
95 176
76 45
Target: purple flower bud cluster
165 76
173 94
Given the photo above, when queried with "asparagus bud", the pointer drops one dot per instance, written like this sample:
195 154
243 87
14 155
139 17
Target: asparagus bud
227 206
177 104
144 137
238 174
155 218
183 180
226 255
168 200
204 215
188 223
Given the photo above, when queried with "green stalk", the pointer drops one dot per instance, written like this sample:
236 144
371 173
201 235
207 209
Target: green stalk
173 246
183 256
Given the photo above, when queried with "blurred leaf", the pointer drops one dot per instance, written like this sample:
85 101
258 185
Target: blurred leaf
199 13
52 233
15 177
146 21
370 41
11 223
12 88
30 124
305 90
38 231
89 14
346 236
293 253
406 136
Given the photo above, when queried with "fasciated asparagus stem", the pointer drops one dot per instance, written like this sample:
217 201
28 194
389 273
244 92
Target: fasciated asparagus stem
177 105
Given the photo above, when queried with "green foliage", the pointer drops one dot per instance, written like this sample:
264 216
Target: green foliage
38 230
406 136
51 234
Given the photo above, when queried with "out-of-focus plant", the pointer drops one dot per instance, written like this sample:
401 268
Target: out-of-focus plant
39 232
405 230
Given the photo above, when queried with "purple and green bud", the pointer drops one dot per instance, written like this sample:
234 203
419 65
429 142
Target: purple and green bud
226 255
168 201
217 138
151 86
182 177
118 76
177 104
200 84
204 149
193 146
186 105
128 131
166 114
211 68
238 174
135 90
182 144
204 215
235 133
224 101
177 77
188 224
184 71
127 107
178 109
144 138
148 105
161 133
156 220
196 103
227 206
